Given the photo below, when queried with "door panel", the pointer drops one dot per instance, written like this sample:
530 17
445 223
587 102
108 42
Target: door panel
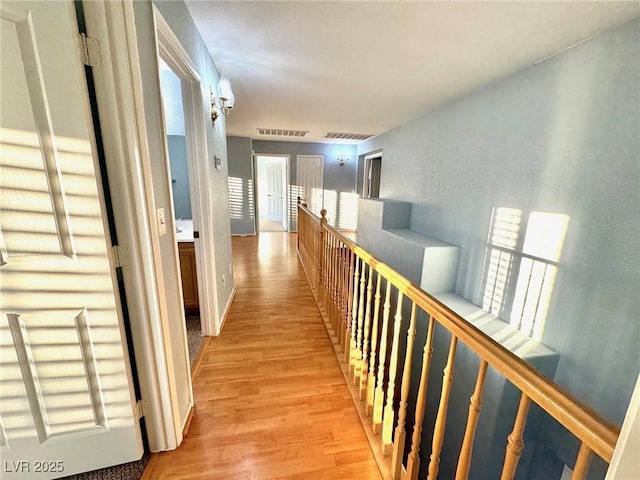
271 171
275 173
66 396
310 181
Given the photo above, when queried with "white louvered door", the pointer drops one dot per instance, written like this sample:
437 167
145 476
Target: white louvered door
66 401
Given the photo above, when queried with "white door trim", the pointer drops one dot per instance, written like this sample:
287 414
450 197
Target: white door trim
366 181
168 47
287 191
624 463
120 102
172 52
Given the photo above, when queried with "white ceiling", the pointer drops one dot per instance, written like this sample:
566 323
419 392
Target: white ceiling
367 67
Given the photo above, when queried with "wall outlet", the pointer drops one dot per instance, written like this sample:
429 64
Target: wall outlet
162 221
224 279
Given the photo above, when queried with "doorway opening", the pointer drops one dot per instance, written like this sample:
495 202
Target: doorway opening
372 170
178 168
271 193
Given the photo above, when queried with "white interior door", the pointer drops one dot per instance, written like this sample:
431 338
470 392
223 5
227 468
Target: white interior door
275 193
309 176
66 401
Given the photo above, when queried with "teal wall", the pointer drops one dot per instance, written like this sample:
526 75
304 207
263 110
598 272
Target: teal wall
241 186
179 176
339 181
561 136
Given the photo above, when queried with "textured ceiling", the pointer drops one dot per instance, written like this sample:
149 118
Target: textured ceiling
366 67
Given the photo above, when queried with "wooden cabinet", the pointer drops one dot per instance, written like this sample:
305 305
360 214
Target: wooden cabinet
189 275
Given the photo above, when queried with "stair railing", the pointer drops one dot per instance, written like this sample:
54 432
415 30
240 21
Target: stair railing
361 302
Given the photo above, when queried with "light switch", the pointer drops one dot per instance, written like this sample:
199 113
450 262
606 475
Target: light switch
162 221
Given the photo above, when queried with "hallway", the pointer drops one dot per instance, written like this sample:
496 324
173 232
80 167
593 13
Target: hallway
271 400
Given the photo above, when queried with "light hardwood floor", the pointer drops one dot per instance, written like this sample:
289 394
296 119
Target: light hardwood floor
267 226
271 400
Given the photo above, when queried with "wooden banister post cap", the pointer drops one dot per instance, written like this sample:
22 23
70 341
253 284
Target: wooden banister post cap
323 212
299 200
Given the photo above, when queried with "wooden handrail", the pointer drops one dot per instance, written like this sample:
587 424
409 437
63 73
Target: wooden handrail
595 433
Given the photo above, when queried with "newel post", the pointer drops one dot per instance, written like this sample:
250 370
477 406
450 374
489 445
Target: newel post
321 253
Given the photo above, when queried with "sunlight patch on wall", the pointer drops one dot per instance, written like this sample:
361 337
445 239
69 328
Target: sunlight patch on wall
519 272
315 200
348 211
542 247
331 206
505 229
545 235
295 192
252 208
497 277
503 236
236 198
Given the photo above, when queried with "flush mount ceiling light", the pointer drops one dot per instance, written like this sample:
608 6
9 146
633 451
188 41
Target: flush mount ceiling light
224 102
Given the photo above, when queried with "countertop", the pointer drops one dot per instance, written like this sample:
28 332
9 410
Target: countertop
184 230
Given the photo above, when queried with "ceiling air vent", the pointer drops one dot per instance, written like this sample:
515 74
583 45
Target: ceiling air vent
348 136
282 133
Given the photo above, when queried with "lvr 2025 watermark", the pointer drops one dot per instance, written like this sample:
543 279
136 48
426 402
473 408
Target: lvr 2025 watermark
37 466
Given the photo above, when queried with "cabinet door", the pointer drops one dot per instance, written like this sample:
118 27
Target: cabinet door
189 275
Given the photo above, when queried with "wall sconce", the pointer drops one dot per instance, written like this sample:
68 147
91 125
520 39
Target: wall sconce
225 102
342 160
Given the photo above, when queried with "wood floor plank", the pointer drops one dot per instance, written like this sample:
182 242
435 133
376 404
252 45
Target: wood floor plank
271 400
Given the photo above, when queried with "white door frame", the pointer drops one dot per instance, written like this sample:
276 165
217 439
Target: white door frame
178 60
119 95
624 463
366 180
285 193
